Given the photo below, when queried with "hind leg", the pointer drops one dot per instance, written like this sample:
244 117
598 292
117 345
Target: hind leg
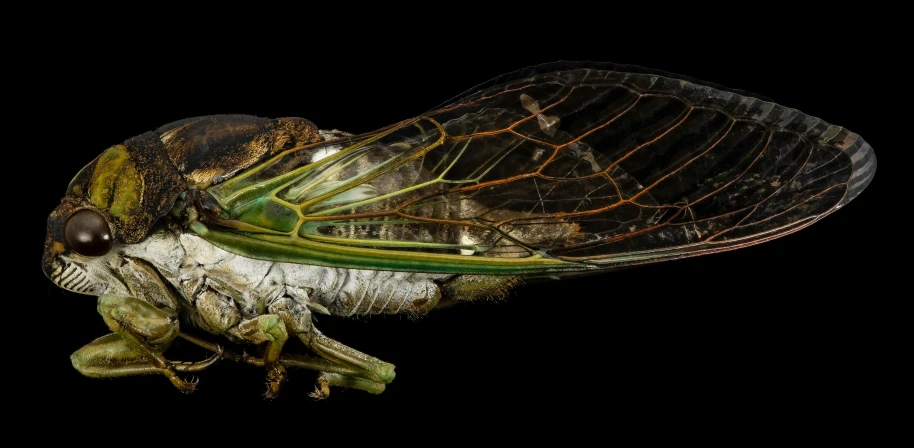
345 367
339 365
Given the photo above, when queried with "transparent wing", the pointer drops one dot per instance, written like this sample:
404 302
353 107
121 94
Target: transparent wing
576 169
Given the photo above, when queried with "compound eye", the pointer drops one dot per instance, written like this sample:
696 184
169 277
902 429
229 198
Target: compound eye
87 233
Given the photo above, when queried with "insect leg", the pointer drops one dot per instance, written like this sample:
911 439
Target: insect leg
331 374
325 380
111 356
141 332
220 313
271 330
368 373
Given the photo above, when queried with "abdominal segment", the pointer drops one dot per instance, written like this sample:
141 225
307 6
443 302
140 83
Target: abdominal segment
220 289
384 292
254 286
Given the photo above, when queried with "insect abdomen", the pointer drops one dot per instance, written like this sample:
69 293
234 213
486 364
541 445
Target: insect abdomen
386 292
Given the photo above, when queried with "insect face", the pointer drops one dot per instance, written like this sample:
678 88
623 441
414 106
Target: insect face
84 231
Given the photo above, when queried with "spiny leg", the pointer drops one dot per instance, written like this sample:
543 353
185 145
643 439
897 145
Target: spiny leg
331 374
141 332
325 380
339 365
360 371
374 368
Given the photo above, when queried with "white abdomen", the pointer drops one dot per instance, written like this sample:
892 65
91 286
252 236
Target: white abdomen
255 284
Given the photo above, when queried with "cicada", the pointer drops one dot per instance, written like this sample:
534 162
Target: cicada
245 227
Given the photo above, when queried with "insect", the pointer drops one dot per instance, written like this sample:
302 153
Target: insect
246 227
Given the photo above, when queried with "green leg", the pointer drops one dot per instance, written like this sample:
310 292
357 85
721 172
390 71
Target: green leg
111 356
325 380
331 374
141 333
339 365
347 367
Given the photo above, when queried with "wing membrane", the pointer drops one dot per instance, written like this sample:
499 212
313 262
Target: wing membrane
574 169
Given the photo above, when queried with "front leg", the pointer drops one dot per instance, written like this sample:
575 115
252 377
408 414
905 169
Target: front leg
140 333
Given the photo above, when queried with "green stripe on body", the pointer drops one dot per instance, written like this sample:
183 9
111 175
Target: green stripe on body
301 251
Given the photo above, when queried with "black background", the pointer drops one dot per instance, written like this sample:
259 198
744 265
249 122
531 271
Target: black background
794 325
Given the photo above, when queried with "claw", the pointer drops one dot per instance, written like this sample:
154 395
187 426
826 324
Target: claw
179 366
322 390
272 391
276 375
189 386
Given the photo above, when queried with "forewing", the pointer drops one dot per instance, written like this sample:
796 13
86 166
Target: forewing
574 169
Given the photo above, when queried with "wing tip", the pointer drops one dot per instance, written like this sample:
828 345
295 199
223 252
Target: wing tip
863 163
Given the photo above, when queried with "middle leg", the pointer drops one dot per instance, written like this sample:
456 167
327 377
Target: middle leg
268 329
